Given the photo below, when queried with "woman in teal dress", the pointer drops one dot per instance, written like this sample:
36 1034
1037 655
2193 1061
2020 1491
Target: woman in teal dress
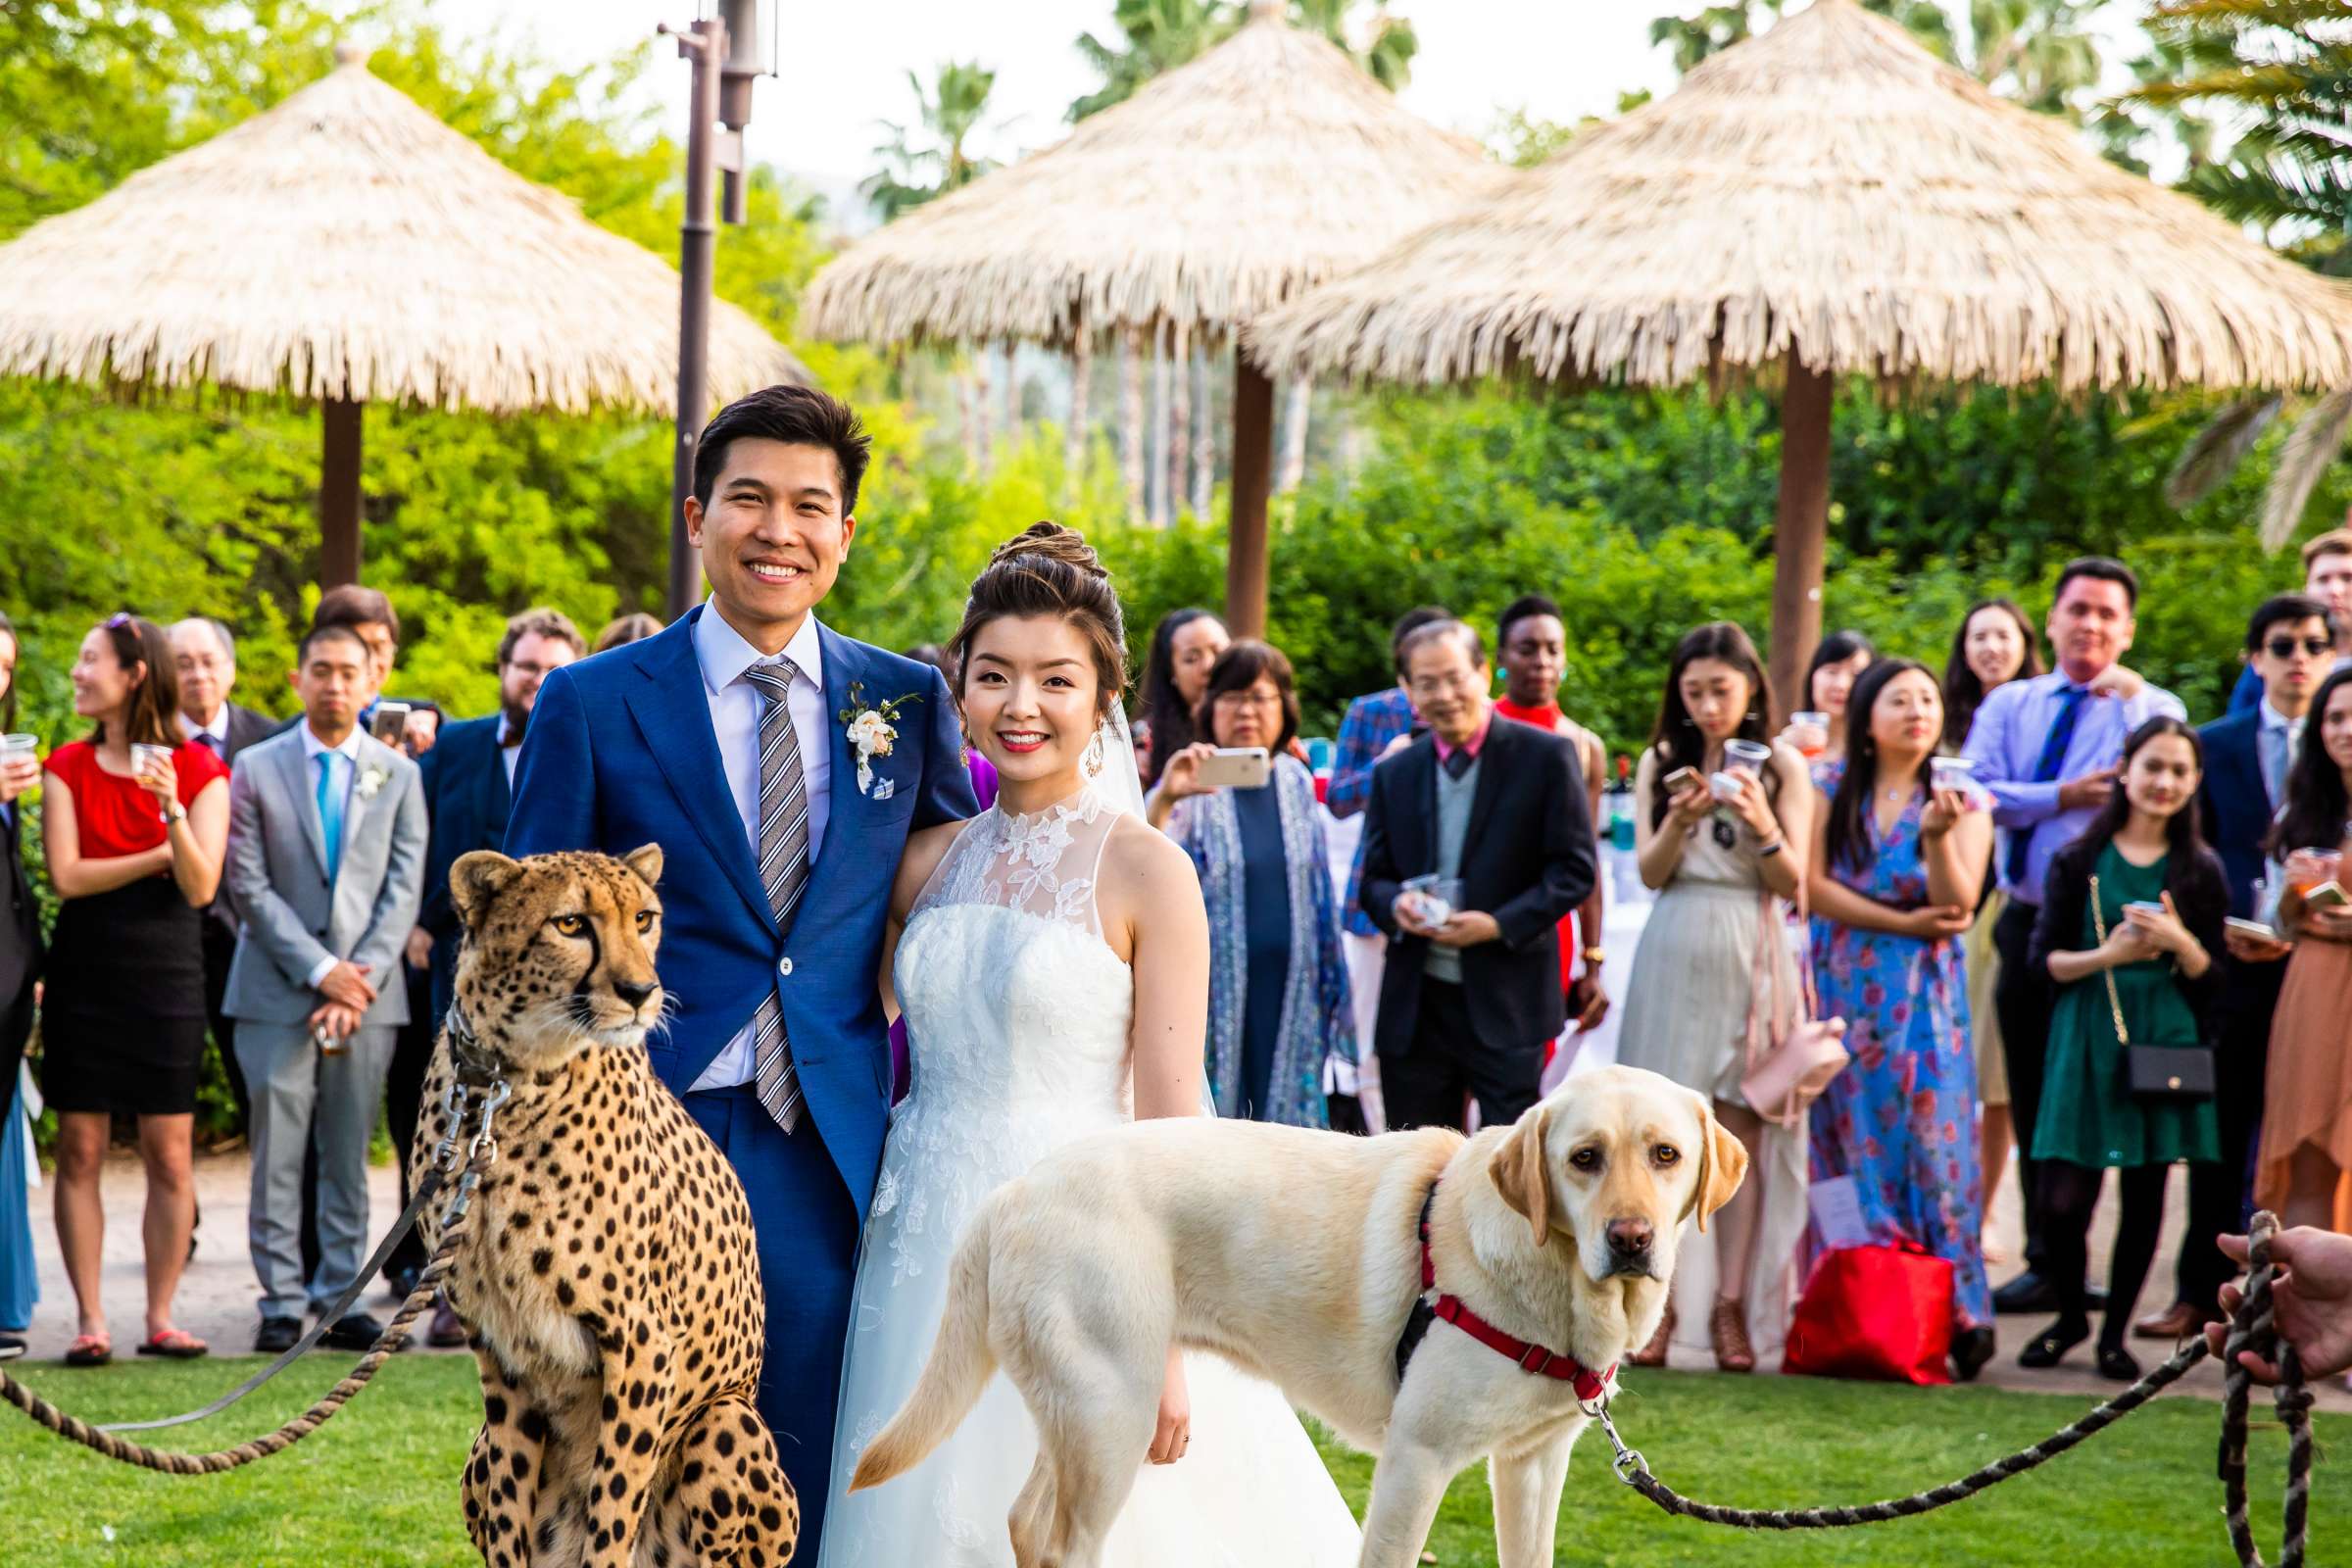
2155 969
1896 866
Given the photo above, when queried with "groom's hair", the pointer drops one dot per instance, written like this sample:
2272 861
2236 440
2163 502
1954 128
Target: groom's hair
796 416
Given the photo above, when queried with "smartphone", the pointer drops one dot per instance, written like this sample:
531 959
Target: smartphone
1238 767
1681 780
2252 929
391 719
2326 895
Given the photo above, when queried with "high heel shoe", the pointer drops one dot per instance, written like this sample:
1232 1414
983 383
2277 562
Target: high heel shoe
1971 1350
1654 1352
1727 1328
2050 1345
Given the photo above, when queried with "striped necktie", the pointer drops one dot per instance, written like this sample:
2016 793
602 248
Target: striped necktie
784 873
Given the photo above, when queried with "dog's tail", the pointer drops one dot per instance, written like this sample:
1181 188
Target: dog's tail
960 1367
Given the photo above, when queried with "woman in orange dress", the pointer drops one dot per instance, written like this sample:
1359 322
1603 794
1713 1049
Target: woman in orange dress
2307 1100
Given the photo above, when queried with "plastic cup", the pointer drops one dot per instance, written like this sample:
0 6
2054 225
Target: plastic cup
146 758
1951 772
1745 756
1815 725
1439 895
2327 866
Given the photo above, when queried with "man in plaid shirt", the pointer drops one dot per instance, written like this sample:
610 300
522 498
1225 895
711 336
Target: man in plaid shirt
1374 727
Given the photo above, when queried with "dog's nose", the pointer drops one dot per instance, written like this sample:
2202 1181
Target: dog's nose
630 992
1631 1237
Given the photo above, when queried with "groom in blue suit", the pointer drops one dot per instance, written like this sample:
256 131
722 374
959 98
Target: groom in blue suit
727 740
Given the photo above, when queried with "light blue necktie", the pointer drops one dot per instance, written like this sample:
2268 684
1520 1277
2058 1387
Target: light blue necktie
331 813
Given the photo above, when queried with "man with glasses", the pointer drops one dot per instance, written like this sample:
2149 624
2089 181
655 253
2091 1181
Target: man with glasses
2290 647
2327 578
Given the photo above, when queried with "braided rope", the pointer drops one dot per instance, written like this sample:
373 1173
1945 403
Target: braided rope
2251 1328
396 1333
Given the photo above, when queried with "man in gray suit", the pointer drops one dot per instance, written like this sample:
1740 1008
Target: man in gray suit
326 845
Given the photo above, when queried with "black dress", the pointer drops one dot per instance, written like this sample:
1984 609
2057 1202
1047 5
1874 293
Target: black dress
122 1021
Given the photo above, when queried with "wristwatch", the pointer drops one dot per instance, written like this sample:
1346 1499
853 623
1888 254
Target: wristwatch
174 813
1595 957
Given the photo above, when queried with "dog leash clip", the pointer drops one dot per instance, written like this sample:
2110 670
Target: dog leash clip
1629 1461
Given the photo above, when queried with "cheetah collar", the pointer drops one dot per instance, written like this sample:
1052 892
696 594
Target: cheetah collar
475 1066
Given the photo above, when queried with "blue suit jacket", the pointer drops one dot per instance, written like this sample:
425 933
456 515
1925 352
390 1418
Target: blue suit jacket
467 796
2234 807
621 752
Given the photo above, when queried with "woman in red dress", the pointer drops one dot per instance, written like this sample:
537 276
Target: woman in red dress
134 821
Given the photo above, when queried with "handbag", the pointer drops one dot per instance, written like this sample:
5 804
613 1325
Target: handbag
1790 1060
2155 1072
1882 1313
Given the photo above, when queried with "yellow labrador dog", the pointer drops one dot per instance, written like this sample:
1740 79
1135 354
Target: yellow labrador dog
1300 1256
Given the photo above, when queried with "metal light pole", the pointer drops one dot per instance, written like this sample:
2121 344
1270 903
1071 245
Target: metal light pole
724 52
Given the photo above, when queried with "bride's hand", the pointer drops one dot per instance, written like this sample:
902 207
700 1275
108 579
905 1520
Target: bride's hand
1175 1433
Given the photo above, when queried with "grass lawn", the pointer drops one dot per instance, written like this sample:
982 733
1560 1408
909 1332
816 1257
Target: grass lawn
379 1483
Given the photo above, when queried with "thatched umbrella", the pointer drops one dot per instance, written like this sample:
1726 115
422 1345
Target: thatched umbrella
1218 191
347 247
1824 200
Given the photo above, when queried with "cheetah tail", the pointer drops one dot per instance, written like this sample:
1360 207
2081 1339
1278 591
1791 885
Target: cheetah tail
960 1367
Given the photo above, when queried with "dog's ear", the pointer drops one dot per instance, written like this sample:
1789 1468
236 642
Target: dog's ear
476 879
1722 1164
1519 1174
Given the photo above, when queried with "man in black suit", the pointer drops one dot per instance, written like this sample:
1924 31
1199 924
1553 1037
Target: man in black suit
2290 646
468 789
1471 994
207 657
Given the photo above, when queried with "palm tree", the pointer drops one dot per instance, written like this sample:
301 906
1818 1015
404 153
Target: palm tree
2286 69
1155 35
931 157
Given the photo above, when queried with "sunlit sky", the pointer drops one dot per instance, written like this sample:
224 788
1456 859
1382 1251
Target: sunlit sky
844 67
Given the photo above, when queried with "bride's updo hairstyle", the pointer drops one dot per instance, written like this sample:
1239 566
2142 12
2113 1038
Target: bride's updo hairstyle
1049 569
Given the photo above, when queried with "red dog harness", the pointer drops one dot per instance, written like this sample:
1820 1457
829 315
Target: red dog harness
1534 1358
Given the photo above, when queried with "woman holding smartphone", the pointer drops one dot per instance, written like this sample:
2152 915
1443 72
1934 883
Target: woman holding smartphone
134 821
1281 1024
2307 1094
2129 931
1722 817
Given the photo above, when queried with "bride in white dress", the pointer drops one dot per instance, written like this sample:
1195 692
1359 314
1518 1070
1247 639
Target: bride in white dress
1054 972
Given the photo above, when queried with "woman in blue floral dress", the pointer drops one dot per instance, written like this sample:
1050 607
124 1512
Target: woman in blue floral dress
1896 866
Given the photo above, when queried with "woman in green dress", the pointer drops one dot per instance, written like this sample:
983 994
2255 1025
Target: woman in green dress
2128 929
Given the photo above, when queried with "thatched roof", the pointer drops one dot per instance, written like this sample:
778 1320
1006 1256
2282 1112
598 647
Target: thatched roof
348 244
1833 186
1219 191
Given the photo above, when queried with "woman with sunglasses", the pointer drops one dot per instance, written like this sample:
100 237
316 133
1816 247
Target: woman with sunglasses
134 824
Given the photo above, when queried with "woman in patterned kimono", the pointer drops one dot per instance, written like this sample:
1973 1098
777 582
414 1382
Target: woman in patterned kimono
1280 1023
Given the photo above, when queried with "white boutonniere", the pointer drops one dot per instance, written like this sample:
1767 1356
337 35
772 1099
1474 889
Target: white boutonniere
873 731
370 780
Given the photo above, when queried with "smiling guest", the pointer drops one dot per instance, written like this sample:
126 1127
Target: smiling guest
1471 994
1281 1025
726 738
2051 748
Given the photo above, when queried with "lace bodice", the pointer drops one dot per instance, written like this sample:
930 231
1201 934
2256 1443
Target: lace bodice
1017 1018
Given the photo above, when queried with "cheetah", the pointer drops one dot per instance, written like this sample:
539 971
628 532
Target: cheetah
609 1284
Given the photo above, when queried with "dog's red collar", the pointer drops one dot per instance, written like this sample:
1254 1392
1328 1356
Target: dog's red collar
1590 1384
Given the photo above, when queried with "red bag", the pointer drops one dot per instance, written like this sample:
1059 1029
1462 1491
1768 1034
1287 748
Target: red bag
1882 1313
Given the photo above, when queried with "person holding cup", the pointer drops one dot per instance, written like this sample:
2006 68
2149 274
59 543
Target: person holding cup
1717 809
19 969
1898 859
134 822
1818 729
2307 1093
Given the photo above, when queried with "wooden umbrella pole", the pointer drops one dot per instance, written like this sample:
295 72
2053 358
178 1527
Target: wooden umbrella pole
1253 483
1801 528
339 494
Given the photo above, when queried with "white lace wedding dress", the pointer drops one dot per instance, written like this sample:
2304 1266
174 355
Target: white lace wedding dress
1017 1018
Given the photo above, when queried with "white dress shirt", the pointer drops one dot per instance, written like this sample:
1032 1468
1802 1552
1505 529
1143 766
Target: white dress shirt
735 707
510 749
217 727
340 773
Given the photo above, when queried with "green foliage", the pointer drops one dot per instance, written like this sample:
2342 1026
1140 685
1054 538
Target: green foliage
1156 36
928 159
